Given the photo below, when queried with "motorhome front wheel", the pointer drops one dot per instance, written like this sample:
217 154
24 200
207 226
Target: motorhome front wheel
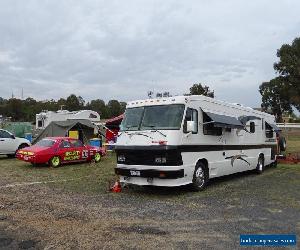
260 164
200 177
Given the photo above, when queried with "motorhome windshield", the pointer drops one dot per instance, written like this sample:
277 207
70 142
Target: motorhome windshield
163 117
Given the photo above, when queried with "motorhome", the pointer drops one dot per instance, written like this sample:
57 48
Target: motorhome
190 139
44 118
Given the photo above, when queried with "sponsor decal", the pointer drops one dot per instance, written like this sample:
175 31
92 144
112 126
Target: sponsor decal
237 157
85 154
72 155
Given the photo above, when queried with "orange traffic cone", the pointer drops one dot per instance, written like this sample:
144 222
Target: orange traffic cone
116 188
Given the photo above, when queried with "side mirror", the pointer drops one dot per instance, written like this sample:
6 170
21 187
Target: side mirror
191 126
12 137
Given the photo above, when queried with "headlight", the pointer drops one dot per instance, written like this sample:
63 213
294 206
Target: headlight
160 160
30 153
121 158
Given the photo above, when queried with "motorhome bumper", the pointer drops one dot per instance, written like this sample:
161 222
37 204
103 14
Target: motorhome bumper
150 173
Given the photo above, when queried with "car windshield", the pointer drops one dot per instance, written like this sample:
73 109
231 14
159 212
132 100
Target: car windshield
162 117
45 143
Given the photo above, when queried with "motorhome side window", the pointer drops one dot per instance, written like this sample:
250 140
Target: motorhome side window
191 115
269 130
208 126
252 127
40 123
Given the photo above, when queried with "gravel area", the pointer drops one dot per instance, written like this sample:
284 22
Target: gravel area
46 216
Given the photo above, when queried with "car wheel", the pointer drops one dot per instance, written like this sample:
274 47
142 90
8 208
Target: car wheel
97 157
200 177
55 161
260 165
282 143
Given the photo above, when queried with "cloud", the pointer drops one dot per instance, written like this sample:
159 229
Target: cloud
122 49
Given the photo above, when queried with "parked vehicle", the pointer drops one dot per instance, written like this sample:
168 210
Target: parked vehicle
44 118
190 139
9 144
59 150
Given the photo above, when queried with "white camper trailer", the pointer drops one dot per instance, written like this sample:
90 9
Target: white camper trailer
44 118
190 139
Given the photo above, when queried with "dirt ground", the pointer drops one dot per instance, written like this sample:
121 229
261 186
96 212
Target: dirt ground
76 215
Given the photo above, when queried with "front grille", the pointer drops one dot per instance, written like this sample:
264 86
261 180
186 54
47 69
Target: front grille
147 157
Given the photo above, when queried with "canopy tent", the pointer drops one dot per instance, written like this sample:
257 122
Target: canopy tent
224 121
245 118
113 127
115 121
86 129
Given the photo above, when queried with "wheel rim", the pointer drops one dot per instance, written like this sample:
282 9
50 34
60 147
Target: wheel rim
199 177
55 161
97 157
260 164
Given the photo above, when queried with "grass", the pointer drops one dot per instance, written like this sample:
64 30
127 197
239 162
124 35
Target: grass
293 140
95 178
87 178
278 184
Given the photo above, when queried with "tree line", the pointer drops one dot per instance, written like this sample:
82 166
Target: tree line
25 110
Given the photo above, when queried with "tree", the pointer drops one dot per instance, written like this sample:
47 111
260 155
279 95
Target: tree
98 105
198 89
275 97
123 106
14 109
74 103
114 108
288 67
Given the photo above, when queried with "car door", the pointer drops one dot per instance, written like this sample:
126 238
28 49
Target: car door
66 152
8 144
78 146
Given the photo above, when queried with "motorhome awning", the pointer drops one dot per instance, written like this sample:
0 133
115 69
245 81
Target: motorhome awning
245 118
224 121
274 127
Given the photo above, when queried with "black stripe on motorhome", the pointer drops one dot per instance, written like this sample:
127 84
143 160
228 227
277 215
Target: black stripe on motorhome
145 155
194 148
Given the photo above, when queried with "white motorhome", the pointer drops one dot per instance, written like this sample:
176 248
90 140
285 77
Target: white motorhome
190 139
44 118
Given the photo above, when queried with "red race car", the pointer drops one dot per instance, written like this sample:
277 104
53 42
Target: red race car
59 150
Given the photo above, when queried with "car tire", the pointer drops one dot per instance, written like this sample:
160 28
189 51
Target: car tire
97 157
282 144
260 165
200 177
55 161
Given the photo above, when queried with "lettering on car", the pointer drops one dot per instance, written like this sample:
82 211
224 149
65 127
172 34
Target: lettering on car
72 155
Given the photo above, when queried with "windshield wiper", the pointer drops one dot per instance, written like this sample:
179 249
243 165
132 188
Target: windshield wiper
138 133
155 130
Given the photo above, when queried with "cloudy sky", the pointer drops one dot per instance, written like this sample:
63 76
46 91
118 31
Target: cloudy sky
121 49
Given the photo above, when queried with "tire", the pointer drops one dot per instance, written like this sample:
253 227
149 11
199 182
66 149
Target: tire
55 161
260 165
97 157
282 144
200 177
